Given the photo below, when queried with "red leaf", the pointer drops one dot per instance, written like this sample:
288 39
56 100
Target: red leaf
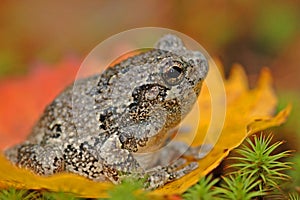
23 99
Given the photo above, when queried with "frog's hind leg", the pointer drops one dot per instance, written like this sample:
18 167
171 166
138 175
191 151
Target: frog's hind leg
159 175
43 160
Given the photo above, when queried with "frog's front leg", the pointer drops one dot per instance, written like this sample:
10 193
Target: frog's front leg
126 163
167 163
118 161
43 160
175 149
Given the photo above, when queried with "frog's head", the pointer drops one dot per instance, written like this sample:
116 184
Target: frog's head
182 71
161 85
175 75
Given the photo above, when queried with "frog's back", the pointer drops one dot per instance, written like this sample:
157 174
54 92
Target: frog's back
94 106
58 122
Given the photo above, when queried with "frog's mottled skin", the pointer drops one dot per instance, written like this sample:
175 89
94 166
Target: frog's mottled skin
99 126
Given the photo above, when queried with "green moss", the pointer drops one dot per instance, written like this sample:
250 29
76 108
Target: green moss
203 190
13 194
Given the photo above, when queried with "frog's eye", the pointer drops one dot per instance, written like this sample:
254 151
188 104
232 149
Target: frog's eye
173 73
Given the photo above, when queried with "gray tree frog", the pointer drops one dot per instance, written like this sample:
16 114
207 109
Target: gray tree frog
114 124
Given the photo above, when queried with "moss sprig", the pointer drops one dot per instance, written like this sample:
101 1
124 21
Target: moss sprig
57 195
204 190
12 193
130 189
239 186
258 160
294 196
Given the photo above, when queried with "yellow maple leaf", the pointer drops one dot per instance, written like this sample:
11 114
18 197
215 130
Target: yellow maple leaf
247 111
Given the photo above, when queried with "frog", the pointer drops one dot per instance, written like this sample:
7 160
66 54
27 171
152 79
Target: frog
118 123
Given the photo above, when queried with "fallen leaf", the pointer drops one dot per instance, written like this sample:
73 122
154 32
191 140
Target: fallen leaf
247 111
11 176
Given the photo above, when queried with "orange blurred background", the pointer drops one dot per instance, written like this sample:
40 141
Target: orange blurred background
253 33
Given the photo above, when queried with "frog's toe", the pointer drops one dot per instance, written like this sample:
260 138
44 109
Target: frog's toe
176 164
183 171
199 152
162 175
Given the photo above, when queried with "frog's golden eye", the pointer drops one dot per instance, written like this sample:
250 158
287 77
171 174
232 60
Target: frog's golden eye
173 74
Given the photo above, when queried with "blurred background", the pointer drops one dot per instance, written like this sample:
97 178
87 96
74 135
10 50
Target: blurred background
252 33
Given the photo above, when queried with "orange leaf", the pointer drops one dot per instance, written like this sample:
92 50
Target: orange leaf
11 176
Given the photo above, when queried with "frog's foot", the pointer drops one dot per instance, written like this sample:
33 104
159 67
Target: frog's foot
179 149
198 152
41 160
159 176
